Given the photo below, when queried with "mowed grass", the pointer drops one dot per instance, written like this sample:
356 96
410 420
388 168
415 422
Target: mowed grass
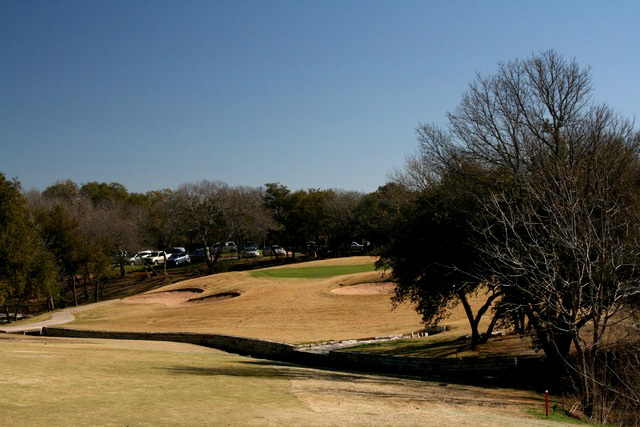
92 382
294 310
320 272
55 382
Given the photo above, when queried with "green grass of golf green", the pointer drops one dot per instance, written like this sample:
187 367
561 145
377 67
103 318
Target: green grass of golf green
320 272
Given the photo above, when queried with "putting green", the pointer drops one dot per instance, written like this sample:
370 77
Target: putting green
321 272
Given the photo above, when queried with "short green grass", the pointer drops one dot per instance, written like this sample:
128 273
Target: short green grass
558 415
322 272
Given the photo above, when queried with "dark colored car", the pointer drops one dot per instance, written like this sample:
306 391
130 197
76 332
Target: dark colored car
178 258
199 255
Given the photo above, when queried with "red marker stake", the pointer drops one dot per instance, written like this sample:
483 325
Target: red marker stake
546 401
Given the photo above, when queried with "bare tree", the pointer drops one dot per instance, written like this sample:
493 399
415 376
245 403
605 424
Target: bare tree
560 225
218 213
342 221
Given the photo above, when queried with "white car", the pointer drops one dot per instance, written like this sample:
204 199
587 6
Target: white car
250 252
356 247
227 248
137 259
155 258
274 250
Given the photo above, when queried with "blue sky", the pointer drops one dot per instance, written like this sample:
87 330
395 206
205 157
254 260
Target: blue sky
311 94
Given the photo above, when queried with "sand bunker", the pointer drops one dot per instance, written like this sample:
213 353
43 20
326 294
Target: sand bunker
192 290
366 289
215 297
176 297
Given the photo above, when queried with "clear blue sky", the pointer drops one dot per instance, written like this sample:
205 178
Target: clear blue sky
321 94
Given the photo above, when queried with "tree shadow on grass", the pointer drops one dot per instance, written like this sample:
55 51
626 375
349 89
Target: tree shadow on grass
266 369
373 385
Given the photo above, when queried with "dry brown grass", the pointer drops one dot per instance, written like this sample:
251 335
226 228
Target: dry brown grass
288 310
55 381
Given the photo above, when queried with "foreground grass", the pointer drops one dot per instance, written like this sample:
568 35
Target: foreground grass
559 415
320 272
57 382
49 381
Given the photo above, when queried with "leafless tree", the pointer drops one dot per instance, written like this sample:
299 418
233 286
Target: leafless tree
560 226
342 220
218 213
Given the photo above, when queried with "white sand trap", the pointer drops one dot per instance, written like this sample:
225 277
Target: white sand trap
366 289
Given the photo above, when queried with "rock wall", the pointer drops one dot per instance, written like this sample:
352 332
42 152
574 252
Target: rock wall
240 345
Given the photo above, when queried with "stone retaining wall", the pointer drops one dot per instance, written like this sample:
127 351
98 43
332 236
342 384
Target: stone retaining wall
240 345
512 369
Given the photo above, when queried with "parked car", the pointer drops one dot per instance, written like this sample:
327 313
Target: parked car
137 259
155 257
250 252
274 250
175 250
178 258
227 248
356 247
324 252
199 255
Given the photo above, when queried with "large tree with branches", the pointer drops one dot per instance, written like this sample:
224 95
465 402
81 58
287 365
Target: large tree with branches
559 225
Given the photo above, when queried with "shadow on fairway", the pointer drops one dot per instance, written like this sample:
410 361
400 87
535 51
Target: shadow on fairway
376 385
261 369
360 385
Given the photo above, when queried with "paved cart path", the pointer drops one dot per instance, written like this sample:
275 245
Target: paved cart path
57 318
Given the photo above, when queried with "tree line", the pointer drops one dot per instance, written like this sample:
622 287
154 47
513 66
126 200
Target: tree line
71 237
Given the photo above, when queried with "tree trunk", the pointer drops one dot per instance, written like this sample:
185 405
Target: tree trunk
73 290
216 258
475 335
84 287
7 317
207 256
104 285
96 296
15 315
485 336
122 270
145 267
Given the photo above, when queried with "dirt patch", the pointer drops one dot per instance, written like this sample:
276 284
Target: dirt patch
380 288
216 297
